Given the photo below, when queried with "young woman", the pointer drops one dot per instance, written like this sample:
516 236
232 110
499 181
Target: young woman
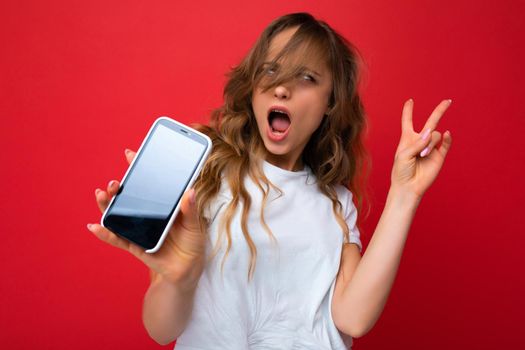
265 253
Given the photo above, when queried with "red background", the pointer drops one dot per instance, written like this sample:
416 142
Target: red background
82 80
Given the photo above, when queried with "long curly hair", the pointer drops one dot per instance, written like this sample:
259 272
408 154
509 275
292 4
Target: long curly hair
335 152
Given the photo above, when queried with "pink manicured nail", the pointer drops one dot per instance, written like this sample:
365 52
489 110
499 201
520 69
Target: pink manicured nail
97 191
89 226
424 152
425 135
127 151
111 183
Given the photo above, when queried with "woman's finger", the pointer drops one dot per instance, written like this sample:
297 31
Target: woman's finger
406 117
109 237
113 187
434 139
445 145
414 147
129 155
436 115
102 199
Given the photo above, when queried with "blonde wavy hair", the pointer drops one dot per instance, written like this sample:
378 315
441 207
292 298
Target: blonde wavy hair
335 152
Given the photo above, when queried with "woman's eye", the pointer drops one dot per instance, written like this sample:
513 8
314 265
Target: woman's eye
270 71
308 77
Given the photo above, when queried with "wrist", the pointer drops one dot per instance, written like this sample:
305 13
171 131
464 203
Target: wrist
403 198
185 281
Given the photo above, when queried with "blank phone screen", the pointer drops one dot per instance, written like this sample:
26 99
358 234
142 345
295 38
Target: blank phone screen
155 184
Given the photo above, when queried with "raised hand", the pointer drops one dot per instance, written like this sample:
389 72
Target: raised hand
183 249
418 160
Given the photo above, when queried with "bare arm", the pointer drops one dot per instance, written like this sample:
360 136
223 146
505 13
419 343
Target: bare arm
175 269
168 305
358 301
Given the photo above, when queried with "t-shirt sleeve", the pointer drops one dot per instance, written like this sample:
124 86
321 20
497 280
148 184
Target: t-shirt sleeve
350 215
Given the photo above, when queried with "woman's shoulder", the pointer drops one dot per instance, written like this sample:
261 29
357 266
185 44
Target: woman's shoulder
346 198
344 194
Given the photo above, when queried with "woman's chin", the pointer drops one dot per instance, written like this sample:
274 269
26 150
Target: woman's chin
281 157
274 150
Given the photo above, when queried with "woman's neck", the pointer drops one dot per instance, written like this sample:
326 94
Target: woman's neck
285 162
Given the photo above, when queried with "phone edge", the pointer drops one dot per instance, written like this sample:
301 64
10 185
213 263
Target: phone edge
190 183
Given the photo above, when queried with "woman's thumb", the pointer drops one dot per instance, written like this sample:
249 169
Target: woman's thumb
190 215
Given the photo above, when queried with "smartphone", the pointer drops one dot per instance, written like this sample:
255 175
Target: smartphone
148 200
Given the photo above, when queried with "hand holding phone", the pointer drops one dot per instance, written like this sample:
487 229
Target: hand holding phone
142 211
166 165
182 253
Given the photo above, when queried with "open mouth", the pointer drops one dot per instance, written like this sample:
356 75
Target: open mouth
279 120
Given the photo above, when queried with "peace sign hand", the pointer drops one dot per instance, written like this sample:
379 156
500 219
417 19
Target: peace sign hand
417 161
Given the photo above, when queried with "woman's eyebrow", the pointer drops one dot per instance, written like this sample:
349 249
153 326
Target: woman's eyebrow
303 68
310 70
316 73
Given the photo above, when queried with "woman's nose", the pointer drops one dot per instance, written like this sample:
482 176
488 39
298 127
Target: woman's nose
281 92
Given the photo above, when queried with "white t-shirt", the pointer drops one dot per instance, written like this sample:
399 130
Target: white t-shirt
287 304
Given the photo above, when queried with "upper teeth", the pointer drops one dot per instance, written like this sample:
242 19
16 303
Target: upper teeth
279 111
